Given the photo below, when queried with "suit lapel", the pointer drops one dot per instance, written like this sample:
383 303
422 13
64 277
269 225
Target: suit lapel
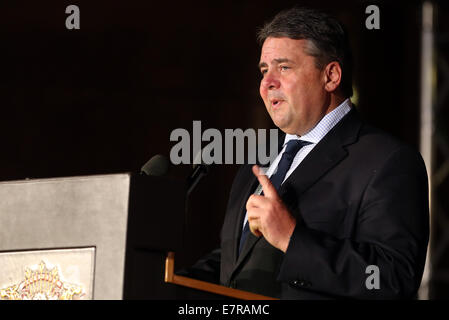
326 155
246 191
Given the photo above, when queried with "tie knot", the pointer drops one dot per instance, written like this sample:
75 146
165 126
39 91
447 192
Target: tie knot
293 146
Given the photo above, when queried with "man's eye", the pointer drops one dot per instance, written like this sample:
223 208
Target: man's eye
263 72
284 68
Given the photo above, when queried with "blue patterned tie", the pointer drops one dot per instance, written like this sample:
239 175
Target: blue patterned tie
293 146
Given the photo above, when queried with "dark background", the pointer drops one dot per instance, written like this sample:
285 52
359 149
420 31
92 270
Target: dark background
105 98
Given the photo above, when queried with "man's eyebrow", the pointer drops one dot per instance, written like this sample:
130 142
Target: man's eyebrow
282 60
277 61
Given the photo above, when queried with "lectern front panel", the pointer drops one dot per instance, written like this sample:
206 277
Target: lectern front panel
68 213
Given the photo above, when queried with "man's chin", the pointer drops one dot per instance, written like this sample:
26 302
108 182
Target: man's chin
286 129
279 122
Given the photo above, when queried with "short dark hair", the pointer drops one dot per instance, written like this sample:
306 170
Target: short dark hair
327 38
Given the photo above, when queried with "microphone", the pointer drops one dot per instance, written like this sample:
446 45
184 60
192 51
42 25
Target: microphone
157 166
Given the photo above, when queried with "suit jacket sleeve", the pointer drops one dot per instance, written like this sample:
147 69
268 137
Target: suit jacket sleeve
391 233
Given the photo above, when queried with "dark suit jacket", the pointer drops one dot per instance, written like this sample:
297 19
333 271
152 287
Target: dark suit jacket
360 198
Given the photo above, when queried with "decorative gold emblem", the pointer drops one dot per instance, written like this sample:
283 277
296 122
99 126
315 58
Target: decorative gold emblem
42 283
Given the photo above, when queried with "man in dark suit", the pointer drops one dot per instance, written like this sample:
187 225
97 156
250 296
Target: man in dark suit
342 204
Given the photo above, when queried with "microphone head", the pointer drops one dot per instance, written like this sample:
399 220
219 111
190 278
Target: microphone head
156 166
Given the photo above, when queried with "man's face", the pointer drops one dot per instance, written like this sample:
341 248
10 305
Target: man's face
292 87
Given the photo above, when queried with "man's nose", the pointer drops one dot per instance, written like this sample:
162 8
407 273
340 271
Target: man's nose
271 81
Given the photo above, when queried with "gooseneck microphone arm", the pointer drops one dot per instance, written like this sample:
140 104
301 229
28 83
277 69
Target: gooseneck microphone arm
198 172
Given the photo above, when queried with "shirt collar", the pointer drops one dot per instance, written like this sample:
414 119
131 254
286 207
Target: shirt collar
324 125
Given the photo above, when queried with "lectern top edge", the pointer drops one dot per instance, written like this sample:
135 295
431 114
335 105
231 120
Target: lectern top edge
67 178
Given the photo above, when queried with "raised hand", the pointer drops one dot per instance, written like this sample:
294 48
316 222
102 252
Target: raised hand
268 216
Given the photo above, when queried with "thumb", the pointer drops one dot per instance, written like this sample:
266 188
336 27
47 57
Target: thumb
268 189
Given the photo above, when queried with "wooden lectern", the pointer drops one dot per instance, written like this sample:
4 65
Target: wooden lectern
96 237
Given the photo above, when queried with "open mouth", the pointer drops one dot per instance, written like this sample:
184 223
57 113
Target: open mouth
276 103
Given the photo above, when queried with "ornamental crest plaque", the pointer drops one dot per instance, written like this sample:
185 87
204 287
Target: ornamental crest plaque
42 283
55 274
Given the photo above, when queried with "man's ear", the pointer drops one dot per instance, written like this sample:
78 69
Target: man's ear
332 76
